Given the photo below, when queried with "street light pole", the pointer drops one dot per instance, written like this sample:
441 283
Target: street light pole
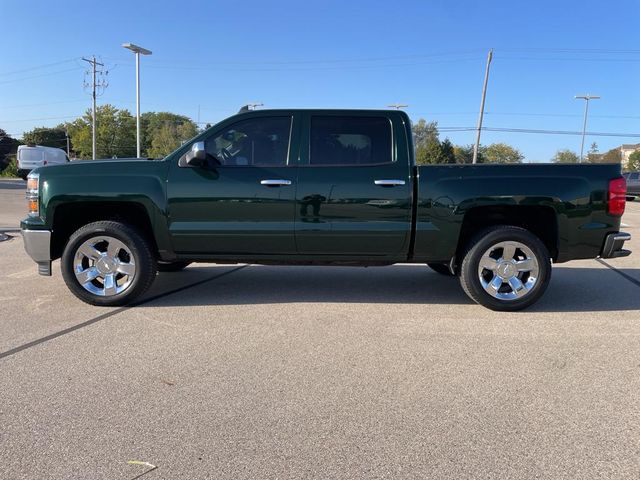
137 50
586 99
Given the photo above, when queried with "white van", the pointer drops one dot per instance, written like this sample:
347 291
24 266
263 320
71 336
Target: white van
34 156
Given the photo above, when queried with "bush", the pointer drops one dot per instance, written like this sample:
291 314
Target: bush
11 169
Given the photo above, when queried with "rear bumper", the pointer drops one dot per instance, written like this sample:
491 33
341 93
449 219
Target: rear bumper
37 243
613 244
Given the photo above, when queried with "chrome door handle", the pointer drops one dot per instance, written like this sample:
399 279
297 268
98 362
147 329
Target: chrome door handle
275 183
389 183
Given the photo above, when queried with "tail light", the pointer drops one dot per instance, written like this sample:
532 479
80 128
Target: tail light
33 194
617 196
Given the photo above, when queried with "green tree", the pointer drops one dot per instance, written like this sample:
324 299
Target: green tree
48 137
163 132
565 156
427 142
634 161
447 151
612 156
8 148
501 153
592 155
464 154
116 133
425 133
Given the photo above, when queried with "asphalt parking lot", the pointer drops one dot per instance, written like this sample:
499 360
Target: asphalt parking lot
318 372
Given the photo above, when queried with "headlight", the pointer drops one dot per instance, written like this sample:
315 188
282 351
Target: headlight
33 197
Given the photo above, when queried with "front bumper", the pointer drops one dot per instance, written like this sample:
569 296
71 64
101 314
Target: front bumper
37 243
613 244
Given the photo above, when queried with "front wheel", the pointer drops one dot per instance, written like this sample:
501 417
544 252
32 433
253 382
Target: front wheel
505 268
108 264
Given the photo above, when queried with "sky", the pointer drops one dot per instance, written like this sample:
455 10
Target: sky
211 57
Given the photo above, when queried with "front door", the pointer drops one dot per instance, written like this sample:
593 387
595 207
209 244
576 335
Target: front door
243 201
354 187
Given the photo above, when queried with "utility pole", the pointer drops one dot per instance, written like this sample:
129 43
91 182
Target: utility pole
94 63
586 99
398 106
66 134
476 146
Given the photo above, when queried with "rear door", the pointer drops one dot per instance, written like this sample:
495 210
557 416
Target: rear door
354 186
30 158
242 202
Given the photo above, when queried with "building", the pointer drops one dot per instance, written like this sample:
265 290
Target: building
626 150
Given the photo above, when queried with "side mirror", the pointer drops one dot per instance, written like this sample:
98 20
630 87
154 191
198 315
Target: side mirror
197 156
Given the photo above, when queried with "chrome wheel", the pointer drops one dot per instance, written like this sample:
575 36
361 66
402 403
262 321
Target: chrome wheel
508 270
104 266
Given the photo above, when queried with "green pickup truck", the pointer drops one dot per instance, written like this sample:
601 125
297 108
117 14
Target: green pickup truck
319 187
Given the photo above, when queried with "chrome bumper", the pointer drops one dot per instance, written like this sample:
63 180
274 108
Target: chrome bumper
613 244
37 243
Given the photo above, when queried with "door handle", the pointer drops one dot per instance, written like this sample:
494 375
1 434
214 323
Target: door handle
275 183
389 183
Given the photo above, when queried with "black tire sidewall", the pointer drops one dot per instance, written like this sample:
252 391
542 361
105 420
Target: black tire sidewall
469 269
145 263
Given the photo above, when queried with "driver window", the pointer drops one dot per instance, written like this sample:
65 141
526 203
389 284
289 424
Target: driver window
260 141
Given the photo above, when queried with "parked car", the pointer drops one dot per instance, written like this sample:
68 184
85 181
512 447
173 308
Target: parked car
633 183
319 187
31 157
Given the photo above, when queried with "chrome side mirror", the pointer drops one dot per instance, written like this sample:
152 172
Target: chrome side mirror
196 157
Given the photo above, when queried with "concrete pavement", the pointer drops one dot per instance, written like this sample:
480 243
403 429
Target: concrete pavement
319 372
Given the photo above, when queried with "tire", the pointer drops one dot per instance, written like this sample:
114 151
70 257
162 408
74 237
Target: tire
441 268
172 266
502 284
113 258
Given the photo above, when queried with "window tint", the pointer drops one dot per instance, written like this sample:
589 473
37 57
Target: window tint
255 141
634 176
350 140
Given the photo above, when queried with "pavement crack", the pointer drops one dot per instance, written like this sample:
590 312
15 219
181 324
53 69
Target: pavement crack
104 316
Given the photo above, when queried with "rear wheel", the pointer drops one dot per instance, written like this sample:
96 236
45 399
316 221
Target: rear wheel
505 268
107 263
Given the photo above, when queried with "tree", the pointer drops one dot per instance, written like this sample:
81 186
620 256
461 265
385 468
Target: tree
565 156
48 137
8 148
634 161
116 133
447 152
163 132
427 142
502 153
592 155
612 156
425 133
464 154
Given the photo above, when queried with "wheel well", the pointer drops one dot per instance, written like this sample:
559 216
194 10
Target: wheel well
70 217
541 221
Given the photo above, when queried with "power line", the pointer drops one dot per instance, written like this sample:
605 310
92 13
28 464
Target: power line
46 65
39 76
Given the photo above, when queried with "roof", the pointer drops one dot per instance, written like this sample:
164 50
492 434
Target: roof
630 146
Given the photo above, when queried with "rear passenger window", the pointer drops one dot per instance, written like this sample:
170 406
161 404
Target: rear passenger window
634 176
350 140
